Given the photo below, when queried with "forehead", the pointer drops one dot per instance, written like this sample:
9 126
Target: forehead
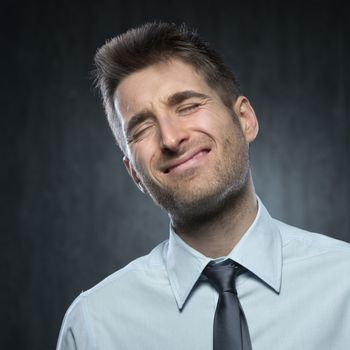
147 88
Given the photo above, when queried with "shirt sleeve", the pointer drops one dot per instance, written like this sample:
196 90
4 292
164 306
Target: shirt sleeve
76 332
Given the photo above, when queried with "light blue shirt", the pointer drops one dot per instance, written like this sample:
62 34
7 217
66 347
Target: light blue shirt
295 295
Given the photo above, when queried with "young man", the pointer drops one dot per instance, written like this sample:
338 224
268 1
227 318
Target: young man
230 276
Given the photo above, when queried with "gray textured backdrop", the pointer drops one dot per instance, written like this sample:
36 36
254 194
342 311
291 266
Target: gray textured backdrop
72 216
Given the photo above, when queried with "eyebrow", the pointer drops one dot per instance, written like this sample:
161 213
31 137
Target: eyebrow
181 96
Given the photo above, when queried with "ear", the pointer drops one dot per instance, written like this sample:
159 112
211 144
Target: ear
130 169
247 118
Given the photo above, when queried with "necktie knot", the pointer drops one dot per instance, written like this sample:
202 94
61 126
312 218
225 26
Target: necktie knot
222 276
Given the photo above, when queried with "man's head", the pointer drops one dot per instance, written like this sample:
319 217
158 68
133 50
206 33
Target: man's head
150 44
184 136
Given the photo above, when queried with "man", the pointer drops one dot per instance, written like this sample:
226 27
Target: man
230 276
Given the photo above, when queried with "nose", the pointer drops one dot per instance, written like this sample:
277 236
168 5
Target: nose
172 134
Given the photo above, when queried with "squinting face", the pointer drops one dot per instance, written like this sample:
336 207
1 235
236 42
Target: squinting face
184 146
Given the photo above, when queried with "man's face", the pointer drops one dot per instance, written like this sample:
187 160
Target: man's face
184 146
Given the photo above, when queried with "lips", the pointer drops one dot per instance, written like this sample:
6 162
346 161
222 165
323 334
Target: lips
185 160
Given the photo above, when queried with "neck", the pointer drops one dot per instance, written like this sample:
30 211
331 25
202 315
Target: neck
216 235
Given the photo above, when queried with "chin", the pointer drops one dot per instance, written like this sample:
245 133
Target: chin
198 203
206 194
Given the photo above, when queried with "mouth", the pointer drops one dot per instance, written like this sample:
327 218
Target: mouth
187 161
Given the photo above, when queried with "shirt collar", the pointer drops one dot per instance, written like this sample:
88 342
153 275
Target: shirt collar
259 251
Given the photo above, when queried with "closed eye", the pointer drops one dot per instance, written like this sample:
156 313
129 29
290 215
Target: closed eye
188 108
140 133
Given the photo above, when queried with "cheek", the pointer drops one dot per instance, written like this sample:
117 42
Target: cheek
206 121
138 158
142 157
216 125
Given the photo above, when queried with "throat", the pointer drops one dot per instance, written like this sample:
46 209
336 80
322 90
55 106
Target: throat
216 234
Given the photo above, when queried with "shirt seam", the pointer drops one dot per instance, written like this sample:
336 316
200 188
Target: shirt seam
309 257
89 327
115 276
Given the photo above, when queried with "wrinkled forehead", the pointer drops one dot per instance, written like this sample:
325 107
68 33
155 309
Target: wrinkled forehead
153 85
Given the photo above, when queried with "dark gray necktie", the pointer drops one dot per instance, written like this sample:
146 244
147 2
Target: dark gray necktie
230 326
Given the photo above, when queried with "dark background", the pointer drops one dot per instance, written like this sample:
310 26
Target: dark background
71 215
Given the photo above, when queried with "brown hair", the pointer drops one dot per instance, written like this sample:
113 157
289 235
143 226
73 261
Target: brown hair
152 43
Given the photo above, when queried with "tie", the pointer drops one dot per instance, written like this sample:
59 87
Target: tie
230 326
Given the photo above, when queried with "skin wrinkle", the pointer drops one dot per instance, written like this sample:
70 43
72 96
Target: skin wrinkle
172 101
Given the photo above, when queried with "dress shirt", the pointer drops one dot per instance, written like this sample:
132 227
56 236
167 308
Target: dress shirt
295 295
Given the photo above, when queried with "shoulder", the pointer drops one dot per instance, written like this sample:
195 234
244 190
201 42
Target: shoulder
138 271
101 301
317 266
300 244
